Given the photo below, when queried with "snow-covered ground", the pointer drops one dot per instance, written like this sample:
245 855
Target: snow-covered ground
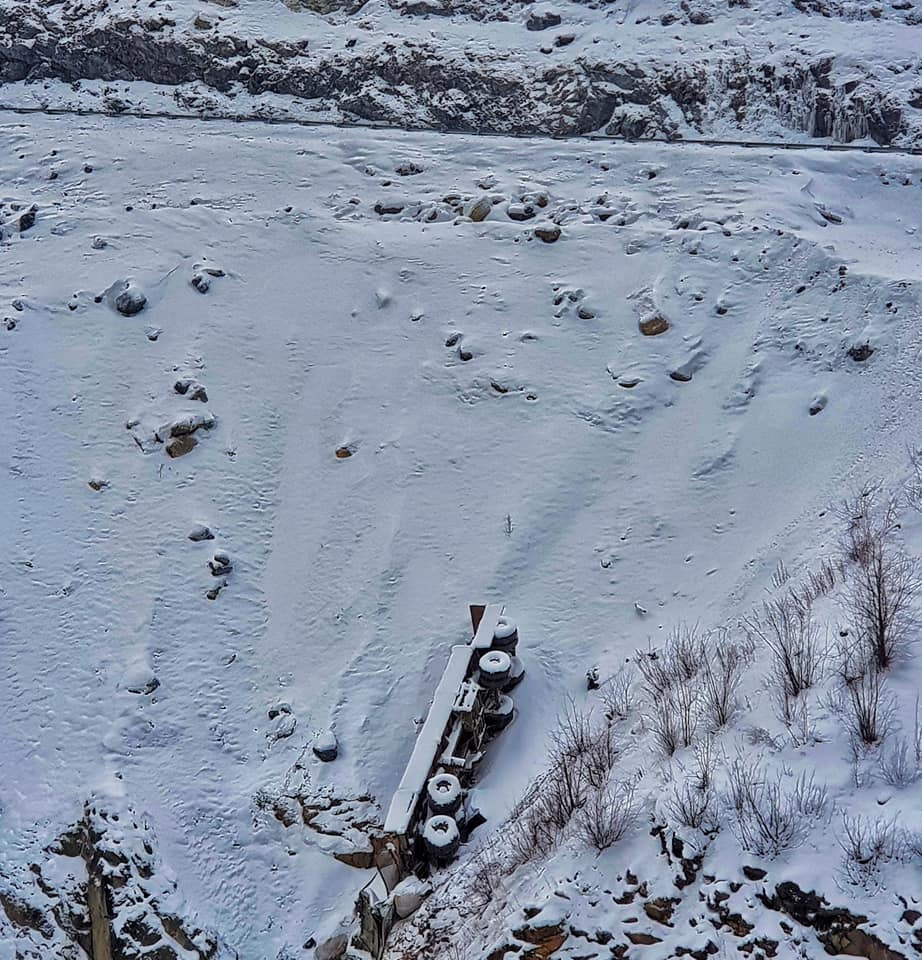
546 458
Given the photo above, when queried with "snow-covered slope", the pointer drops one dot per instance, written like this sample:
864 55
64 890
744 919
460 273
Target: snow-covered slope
406 411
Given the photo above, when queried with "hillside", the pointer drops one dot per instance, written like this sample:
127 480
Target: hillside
384 410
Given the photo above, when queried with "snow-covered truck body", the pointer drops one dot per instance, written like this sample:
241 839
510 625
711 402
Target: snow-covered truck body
450 741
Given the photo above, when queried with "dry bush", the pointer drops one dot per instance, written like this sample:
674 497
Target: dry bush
721 678
772 814
617 695
864 703
898 765
867 845
818 584
486 874
672 688
582 756
691 806
607 815
786 627
781 576
884 581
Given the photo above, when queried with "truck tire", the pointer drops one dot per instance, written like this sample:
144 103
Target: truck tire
444 794
516 672
505 636
501 715
442 838
494 669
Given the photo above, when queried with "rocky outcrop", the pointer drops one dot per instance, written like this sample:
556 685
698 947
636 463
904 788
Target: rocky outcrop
98 891
422 84
837 929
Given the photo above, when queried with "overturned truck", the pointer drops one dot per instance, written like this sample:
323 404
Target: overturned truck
429 814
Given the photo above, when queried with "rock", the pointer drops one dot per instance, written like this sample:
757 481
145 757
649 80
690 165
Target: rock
549 233
146 688
564 39
520 211
860 352
542 20
680 376
130 301
408 895
332 949
407 169
27 219
95 483
547 938
180 446
284 726
325 746
911 917
480 209
200 282
220 564
754 873
191 388
383 207
653 324
343 453
152 333
642 939
279 709
200 532
660 910
360 859
183 426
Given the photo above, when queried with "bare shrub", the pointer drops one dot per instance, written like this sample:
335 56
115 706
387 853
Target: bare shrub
670 682
898 764
486 875
583 754
618 695
664 726
720 679
884 580
818 583
608 814
772 815
786 627
867 845
691 806
781 576
866 707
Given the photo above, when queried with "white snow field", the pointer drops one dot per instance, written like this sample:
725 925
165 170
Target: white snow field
560 469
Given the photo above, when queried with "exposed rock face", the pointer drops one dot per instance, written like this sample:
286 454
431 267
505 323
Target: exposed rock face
837 929
419 83
116 904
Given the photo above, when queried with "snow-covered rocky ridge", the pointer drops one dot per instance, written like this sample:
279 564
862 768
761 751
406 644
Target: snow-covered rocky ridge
653 68
352 358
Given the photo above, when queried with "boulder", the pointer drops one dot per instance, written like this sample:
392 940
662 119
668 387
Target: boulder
653 324
180 446
332 949
130 301
27 219
325 746
542 20
408 895
549 233
480 209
